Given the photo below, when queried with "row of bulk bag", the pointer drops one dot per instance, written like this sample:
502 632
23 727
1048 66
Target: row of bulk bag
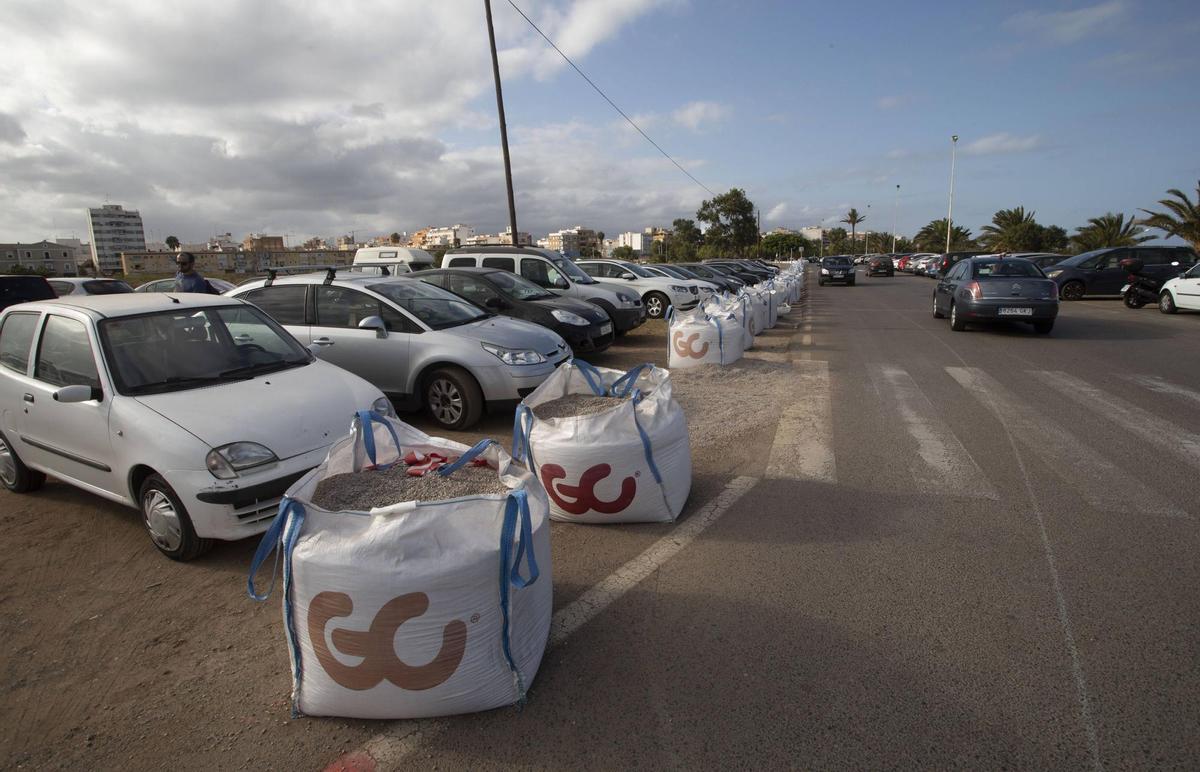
628 464
699 338
737 307
419 608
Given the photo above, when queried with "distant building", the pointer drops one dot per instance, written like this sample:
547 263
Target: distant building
449 236
114 230
813 233
81 251
489 239
257 242
45 256
226 263
574 242
386 239
638 242
607 247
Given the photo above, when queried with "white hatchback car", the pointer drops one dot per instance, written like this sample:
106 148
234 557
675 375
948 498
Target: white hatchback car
657 292
199 410
1181 293
86 285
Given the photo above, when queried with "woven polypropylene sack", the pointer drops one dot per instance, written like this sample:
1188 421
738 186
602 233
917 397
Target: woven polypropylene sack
698 338
629 464
420 608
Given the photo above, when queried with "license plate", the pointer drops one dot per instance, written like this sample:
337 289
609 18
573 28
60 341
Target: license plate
605 329
839 275
1016 312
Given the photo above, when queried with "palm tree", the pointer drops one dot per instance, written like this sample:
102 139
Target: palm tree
172 243
932 237
1108 230
1011 230
1184 217
853 218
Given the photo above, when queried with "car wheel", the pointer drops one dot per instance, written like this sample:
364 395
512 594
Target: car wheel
167 521
956 324
936 313
1166 303
656 305
850 283
453 399
1072 290
1133 300
17 477
1043 327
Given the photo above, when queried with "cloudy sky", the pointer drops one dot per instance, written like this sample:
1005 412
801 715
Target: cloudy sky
311 118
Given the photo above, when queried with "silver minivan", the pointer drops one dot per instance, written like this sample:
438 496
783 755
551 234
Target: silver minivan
420 344
550 270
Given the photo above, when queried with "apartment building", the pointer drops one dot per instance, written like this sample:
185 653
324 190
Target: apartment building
487 239
575 242
229 263
47 256
113 230
449 236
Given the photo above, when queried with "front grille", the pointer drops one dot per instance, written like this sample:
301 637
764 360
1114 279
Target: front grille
256 513
692 290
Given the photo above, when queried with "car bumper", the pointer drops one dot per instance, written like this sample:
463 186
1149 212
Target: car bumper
240 508
849 277
505 383
989 309
587 339
625 319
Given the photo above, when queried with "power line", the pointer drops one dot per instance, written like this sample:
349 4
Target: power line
567 59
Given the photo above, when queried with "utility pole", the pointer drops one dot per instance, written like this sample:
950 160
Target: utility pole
895 209
950 211
512 207
758 241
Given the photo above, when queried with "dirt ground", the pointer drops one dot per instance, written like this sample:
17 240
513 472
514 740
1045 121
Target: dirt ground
116 657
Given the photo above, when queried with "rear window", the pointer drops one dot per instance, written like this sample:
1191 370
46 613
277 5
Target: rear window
101 287
1007 269
460 262
18 289
503 263
16 338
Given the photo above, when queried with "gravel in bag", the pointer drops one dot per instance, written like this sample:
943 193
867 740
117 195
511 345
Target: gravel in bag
575 405
362 491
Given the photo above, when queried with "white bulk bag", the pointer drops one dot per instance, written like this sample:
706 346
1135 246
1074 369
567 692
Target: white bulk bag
760 306
630 464
417 609
696 338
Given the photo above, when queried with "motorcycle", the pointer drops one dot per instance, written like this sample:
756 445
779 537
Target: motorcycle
1142 288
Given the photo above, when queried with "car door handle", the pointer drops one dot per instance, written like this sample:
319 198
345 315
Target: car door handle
28 398
242 338
322 342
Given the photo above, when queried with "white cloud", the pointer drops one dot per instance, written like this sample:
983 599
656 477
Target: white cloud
1067 26
996 144
777 212
697 115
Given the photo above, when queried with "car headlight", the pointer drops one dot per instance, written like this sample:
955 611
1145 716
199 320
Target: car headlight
628 300
566 317
824 271
1052 274
228 461
383 406
514 356
679 290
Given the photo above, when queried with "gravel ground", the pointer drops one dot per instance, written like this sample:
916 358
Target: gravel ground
574 405
362 491
745 395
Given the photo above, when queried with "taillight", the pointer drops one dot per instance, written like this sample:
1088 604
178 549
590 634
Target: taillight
975 291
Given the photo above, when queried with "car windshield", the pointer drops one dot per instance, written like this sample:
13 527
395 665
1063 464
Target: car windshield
836 262
434 306
1006 269
671 270
185 349
1082 258
636 270
103 287
518 287
573 271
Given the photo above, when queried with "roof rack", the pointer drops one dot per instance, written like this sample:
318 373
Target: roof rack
273 271
383 265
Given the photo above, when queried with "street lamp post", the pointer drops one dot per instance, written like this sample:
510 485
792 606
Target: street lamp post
895 210
950 211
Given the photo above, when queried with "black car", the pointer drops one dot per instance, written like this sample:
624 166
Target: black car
839 268
881 265
584 326
1099 272
22 289
988 289
735 270
753 273
711 273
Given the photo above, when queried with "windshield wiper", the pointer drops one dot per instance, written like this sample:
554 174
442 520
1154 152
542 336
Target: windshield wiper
262 368
175 382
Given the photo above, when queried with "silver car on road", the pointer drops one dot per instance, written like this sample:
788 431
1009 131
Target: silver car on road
420 344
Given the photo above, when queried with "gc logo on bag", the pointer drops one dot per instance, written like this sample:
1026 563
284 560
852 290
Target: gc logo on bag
376 645
685 347
583 497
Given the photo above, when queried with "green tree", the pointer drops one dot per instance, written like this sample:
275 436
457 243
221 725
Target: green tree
932 237
394 238
709 251
837 241
1054 239
730 220
1108 230
1012 230
853 218
784 244
172 243
1181 219
624 253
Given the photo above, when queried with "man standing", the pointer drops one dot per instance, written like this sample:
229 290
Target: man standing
189 279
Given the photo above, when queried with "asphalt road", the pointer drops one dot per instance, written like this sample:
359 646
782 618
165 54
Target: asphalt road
954 549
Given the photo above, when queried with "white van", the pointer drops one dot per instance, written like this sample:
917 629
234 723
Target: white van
396 260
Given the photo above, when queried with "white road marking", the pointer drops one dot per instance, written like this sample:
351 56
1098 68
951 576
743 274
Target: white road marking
1155 383
391 748
1167 435
806 340
803 446
1096 479
942 464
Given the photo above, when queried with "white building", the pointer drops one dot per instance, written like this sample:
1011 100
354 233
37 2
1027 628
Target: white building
813 233
450 236
638 242
114 230
45 256
489 239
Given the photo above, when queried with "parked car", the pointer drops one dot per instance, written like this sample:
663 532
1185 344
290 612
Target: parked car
22 289
737 272
84 285
392 260
1099 272
1181 293
551 271
168 285
673 271
880 265
1042 260
941 264
584 326
422 345
836 269
922 264
990 288
198 411
657 293
712 273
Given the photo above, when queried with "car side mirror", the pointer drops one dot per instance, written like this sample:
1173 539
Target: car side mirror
76 393
628 276
560 284
495 303
374 323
